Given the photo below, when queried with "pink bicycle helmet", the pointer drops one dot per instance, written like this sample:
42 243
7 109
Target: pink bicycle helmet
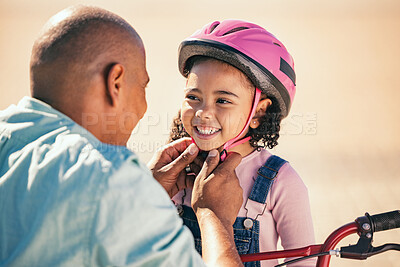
251 49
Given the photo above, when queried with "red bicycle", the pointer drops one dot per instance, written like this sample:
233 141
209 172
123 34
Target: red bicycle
364 226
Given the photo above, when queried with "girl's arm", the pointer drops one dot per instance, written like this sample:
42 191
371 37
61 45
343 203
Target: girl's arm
291 211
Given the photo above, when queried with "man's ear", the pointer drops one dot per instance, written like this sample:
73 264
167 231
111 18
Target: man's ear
114 82
260 112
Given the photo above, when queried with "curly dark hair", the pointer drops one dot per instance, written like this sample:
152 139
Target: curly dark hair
264 136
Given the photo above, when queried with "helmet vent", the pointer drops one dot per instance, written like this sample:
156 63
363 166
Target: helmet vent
277 44
213 27
235 30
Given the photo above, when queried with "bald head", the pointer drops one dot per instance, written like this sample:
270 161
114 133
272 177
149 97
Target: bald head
90 63
76 44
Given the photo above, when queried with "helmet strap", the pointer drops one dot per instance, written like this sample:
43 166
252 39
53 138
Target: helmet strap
236 141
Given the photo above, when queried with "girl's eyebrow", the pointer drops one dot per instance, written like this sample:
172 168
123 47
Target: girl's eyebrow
223 92
219 92
191 89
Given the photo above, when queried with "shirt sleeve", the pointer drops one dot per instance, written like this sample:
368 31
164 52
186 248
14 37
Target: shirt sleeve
291 211
137 225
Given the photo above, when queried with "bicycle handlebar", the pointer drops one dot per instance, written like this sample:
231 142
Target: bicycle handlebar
365 226
385 221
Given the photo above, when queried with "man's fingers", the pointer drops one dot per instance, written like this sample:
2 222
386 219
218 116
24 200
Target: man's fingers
210 164
190 181
195 168
184 181
231 162
199 160
181 144
169 152
185 158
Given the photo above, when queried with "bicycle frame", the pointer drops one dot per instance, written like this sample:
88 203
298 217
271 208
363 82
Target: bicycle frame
364 226
323 261
334 239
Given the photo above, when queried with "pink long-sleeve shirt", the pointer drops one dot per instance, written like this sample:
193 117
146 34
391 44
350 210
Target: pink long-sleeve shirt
287 215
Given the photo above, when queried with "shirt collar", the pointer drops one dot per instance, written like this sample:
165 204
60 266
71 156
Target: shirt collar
37 105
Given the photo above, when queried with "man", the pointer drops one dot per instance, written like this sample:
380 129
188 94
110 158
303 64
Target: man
71 194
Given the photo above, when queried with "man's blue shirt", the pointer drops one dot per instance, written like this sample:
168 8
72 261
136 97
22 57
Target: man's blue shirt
66 199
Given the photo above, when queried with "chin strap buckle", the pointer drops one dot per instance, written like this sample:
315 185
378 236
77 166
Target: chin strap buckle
223 155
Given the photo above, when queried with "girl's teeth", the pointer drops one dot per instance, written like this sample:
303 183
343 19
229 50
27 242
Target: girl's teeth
207 130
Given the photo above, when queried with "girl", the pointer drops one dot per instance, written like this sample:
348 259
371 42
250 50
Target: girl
240 84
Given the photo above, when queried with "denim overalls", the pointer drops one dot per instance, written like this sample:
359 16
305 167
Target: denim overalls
246 229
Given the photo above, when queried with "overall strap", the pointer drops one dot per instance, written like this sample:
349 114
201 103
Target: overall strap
266 175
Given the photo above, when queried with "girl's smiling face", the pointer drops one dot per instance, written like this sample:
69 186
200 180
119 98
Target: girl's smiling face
218 99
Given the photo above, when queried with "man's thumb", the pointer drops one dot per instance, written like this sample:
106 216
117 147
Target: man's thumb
185 158
210 163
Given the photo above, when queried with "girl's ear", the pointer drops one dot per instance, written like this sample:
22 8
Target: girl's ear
260 112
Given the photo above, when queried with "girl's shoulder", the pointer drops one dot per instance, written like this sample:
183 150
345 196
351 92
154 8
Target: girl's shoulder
259 158
286 173
256 158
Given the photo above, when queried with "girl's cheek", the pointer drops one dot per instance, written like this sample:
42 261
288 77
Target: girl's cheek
186 117
187 112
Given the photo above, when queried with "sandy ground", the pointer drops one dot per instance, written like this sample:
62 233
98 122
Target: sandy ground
342 135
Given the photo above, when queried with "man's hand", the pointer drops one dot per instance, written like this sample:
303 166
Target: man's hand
217 188
216 200
168 165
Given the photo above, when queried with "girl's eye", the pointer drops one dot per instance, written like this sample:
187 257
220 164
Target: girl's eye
192 97
223 101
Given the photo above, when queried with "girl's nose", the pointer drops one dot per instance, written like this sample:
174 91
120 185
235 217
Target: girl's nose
204 113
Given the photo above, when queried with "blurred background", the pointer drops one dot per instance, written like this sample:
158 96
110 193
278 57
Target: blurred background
343 133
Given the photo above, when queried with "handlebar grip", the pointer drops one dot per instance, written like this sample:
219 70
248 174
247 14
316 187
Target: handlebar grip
385 221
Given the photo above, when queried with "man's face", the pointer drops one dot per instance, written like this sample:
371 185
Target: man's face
133 98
